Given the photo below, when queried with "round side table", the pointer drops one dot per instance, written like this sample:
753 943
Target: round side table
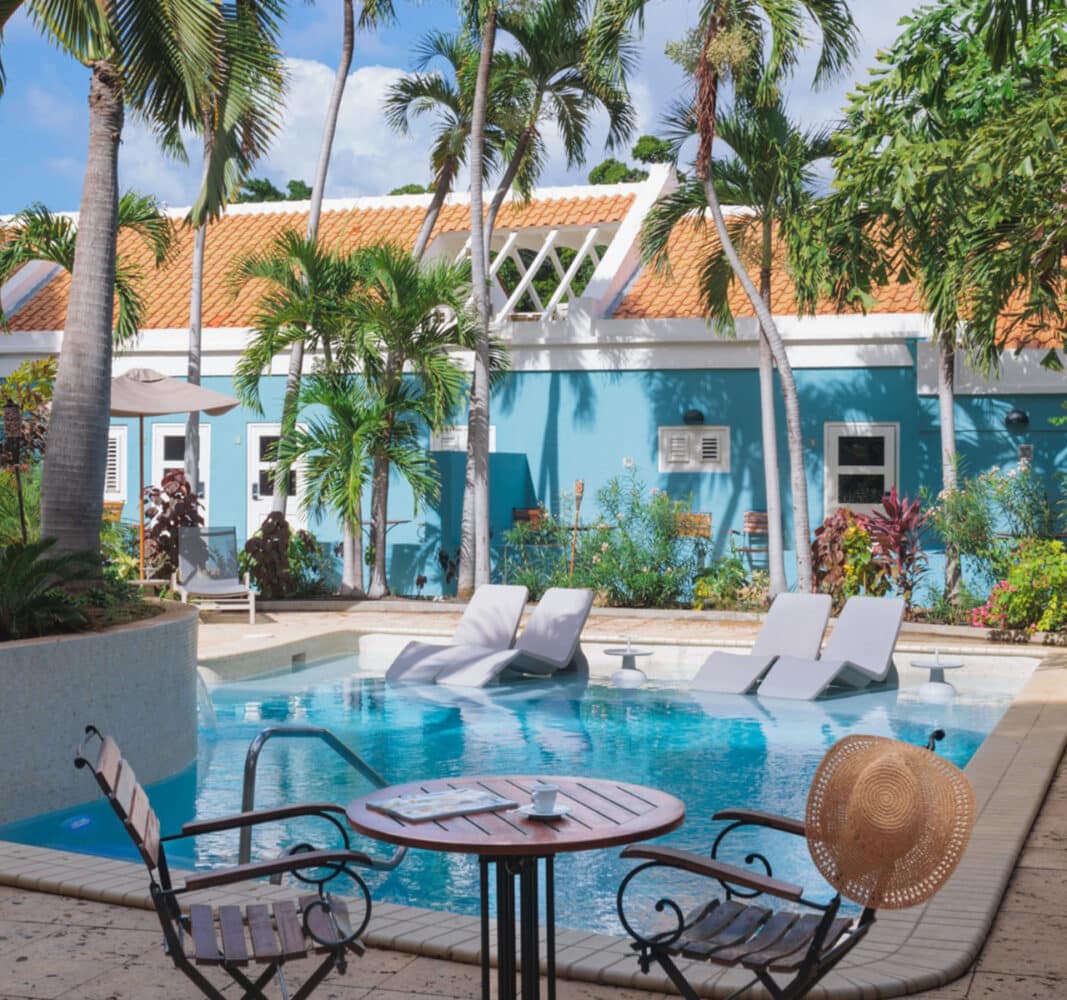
937 688
629 675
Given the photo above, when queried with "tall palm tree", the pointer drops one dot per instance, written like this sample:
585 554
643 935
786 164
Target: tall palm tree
36 234
151 58
237 111
770 173
372 13
415 316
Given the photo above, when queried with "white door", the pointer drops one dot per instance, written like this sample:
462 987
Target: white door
261 441
168 455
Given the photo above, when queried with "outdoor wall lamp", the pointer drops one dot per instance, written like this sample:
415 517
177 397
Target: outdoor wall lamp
1016 419
692 417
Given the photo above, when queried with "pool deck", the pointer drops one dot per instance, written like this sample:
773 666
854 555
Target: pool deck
941 947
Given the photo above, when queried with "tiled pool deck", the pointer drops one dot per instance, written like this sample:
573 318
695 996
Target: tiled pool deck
938 947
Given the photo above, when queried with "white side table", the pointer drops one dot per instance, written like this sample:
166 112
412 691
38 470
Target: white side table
937 688
629 675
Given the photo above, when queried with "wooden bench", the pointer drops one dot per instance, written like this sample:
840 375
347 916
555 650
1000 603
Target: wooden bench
693 525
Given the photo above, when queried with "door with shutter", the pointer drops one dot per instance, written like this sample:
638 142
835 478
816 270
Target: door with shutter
262 440
168 455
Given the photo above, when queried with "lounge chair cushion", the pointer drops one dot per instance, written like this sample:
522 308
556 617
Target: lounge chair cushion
797 677
731 673
864 637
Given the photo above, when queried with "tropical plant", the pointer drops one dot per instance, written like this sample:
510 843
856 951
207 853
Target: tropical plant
1033 595
150 59
30 388
260 189
844 559
169 507
32 599
896 529
10 518
613 171
265 557
720 584
120 550
770 171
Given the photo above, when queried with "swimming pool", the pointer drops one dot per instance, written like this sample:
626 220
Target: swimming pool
711 751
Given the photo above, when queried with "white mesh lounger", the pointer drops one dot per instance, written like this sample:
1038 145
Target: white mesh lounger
208 572
794 624
489 621
549 643
859 652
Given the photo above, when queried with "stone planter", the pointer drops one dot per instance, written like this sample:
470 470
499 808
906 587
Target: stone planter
135 682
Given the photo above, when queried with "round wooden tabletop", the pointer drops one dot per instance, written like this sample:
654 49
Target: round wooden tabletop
602 813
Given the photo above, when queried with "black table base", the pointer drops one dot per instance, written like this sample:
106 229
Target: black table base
525 955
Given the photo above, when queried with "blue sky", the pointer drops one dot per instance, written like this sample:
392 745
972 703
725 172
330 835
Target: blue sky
43 116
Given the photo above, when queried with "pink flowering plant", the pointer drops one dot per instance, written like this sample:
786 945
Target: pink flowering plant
1033 596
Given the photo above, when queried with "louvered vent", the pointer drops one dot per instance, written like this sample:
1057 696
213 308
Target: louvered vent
709 449
678 448
694 449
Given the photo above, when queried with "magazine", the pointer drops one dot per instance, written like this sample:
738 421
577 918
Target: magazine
442 805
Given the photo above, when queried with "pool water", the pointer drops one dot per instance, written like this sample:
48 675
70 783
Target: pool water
712 752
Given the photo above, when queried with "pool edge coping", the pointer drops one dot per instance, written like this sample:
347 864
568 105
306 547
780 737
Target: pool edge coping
907 951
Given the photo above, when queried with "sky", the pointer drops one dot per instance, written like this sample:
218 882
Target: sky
44 118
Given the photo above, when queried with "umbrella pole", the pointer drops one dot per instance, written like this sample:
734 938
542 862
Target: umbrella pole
140 495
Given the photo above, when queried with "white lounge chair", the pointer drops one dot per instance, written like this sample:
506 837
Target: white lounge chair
489 621
794 625
548 644
859 652
208 573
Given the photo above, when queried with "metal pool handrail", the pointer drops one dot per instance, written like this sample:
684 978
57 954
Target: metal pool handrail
345 752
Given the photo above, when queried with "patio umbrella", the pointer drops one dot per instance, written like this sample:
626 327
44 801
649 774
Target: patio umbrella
141 393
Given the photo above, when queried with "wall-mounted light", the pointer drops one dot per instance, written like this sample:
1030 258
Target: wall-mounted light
1016 419
692 417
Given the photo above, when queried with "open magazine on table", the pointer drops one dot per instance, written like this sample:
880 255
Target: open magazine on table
442 805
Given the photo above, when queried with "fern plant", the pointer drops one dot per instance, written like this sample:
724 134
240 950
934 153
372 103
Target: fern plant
32 599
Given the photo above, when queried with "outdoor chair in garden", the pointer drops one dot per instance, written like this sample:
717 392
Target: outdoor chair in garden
858 653
231 937
794 625
489 621
208 572
886 824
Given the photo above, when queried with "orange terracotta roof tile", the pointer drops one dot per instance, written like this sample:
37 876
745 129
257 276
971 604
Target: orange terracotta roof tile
166 291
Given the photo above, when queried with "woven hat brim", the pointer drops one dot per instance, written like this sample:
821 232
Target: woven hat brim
898 879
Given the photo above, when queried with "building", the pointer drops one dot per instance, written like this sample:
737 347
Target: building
612 366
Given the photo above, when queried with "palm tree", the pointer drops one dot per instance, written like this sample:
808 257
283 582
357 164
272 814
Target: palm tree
36 234
372 13
770 173
237 112
414 316
151 58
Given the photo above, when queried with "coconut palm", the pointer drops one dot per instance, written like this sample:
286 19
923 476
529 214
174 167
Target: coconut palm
770 172
237 112
38 234
150 58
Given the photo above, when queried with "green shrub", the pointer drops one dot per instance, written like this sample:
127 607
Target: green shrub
1033 595
843 559
32 599
721 584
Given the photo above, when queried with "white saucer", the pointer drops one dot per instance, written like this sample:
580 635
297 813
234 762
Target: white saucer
531 813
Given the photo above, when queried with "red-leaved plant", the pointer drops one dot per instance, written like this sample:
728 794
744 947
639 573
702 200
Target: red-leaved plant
896 530
168 507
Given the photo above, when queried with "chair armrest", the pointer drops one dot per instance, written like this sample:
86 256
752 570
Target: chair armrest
673 857
275 866
771 820
238 820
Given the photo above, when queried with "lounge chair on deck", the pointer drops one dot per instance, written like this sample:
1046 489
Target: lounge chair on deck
880 851
858 653
208 572
548 644
489 621
232 937
794 624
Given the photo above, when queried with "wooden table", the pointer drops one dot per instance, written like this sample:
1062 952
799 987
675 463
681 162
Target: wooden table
602 814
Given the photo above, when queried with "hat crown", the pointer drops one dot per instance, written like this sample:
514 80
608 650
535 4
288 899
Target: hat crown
884 812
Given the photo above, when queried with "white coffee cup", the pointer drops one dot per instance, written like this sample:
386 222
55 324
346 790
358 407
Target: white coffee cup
544 797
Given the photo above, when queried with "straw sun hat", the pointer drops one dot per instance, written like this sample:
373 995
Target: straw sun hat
887 822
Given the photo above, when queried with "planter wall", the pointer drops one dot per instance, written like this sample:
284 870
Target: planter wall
134 682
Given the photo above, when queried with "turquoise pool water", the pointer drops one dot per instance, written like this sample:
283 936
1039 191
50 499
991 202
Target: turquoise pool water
712 753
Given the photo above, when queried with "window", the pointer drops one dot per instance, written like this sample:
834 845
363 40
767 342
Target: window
454 438
861 465
694 449
115 476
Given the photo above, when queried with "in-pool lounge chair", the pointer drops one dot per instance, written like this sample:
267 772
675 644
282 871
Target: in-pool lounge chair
549 643
208 573
489 621
858 653
794 625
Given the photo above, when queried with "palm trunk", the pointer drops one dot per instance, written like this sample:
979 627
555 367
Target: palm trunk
318 189
769 429
478 419
946 398
465 571
72 487
508 179
352 560
444 185
379 506
196 298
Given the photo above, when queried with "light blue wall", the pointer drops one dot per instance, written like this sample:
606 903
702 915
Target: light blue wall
555 427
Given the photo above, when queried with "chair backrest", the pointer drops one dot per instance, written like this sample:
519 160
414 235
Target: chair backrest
491 618
207 559
754 522
556 624
794 626
866 633
124 792
693 525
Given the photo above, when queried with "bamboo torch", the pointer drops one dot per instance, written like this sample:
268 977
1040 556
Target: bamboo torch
579 489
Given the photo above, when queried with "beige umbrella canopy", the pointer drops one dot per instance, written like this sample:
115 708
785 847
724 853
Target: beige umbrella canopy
142 392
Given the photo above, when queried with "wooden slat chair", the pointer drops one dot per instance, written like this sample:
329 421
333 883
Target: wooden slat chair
776 945
753 534
234 937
